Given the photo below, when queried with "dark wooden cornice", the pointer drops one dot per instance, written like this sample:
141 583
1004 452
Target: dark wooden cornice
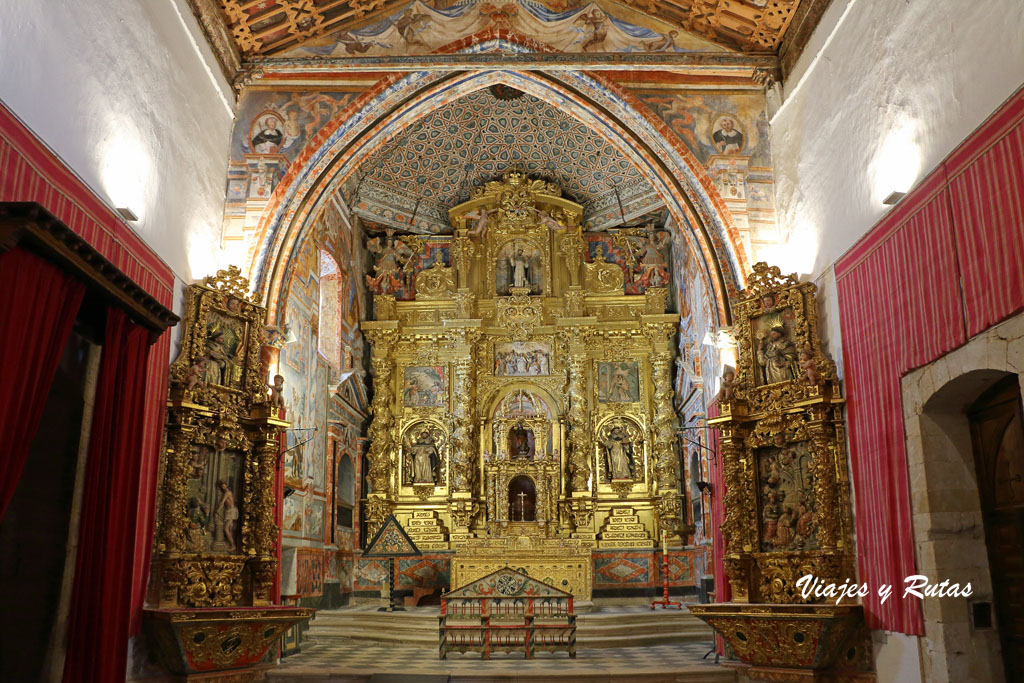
29 226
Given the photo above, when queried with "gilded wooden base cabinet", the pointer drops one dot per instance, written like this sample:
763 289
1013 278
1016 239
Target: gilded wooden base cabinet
214 567
782 446
523 388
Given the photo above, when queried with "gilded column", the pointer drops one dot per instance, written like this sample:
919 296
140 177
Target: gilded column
382 447
464 505
666 465
579 508
578 416
739 519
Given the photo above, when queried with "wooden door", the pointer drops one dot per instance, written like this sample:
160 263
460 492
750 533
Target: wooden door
997 433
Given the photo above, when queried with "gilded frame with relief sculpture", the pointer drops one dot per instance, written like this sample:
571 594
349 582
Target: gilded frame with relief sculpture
765 427
218 412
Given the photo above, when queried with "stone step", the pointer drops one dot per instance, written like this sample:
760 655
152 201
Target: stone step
605 629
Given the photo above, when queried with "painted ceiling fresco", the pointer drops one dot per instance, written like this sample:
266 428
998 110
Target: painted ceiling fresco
355 27
411 183
419 28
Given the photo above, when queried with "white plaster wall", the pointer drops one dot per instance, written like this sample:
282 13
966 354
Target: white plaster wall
128 94
885 90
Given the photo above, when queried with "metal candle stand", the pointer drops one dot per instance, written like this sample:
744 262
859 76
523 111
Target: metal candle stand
665 602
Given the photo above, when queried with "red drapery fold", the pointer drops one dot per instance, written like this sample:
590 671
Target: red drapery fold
38 305
99 624
723 593
156 397
944 265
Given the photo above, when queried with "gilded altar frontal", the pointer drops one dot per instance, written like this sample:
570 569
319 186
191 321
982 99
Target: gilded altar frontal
523 394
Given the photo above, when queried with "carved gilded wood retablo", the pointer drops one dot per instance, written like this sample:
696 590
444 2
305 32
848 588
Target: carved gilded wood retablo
540 387
783 447
215 565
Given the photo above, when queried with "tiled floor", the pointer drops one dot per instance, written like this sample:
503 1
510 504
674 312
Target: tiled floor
347 660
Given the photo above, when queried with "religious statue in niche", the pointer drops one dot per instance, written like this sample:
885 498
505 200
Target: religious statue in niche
212 493
775 351
618 382
727 138
518 265
425 387
521 443
618 445
650 269
422 455
787 497
391 257
223 341
522 359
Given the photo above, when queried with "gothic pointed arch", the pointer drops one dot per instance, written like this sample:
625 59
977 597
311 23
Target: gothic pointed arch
365 126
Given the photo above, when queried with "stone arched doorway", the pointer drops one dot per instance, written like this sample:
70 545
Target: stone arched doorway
962 634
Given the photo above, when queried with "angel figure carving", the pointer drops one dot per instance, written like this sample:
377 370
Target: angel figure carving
481 219
392 255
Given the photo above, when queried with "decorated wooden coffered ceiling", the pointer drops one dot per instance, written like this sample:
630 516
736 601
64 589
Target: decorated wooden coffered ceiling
243 31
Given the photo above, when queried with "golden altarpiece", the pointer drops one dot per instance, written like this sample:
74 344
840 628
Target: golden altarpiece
522 407
782 446
215 565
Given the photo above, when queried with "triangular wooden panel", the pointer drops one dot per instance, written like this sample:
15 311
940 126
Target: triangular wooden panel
391 541
507 583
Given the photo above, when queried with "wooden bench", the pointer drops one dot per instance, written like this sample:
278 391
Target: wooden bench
507 612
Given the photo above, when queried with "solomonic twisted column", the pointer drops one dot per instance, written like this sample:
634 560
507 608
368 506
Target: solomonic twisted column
579 439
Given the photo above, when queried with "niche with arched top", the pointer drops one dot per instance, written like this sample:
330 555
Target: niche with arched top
522 499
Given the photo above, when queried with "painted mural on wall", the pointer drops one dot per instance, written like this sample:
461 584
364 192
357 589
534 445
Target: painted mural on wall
565 25
271 128
729 124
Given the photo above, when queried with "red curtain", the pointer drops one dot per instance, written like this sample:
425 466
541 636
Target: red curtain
723 592
99 624
37 309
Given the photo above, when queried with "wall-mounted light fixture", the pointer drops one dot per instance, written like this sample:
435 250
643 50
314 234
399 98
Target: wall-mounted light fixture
126 213
289 335
894 197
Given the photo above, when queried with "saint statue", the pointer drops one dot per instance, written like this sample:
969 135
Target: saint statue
424 459
777 356
650 261
220 368
619 451
519 269
224 517
392 255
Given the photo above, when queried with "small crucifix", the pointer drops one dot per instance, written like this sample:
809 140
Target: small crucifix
522 506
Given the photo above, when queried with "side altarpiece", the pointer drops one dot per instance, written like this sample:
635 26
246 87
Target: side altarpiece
787 507
215 562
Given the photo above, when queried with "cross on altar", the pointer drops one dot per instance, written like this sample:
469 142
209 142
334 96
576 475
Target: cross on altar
522 506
